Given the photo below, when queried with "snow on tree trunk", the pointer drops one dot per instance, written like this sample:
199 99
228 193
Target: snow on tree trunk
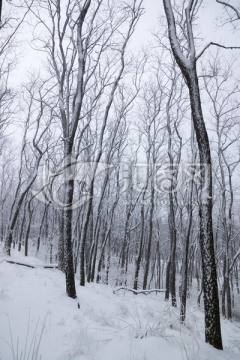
210 287
187 65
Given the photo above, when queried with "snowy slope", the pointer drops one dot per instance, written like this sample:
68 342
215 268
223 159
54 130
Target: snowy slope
34 311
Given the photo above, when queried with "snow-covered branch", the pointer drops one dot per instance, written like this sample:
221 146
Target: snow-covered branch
215 44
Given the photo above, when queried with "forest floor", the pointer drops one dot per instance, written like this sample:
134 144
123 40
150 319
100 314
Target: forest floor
38 321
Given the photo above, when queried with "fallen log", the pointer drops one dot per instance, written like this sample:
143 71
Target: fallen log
50 266
19 263
32 266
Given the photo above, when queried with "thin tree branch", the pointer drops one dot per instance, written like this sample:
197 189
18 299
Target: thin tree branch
16 29
215 44
229 6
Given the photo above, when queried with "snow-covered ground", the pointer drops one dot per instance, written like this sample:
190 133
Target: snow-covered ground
37 316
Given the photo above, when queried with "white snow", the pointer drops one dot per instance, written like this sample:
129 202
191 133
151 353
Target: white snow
108 326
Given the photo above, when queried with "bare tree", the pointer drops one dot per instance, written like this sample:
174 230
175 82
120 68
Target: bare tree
86 56
31 154
224 108
173 117
186 61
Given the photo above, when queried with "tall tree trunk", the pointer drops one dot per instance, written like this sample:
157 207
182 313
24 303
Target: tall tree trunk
140 251
210 287
61 257
149 245
185 267
30 212
84 236
67 229
187 65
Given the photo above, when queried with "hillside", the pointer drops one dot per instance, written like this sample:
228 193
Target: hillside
38 321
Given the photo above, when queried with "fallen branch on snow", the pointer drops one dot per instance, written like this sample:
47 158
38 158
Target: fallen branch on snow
33 266
136 292
18 263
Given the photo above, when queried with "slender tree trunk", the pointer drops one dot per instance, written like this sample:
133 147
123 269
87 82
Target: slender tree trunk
149 245
108 261
67 230
84 236
172 262
184 284
61 257
22 228
185 268
30 211
140 251
187 65
167 292
210 287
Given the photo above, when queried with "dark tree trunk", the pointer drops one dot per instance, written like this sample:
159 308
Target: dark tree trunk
185 267
123 254
61 257
140 251
30 211
187 65
210 287
184 284
108 261
104 236
167 292
68 254
149 245
90 241
94 252
84 237
171 267
92 273
67 228
40 229
22 229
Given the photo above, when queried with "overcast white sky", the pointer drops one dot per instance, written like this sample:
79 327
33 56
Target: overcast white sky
30 60
207 21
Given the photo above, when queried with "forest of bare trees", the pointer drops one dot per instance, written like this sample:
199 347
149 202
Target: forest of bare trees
122 166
